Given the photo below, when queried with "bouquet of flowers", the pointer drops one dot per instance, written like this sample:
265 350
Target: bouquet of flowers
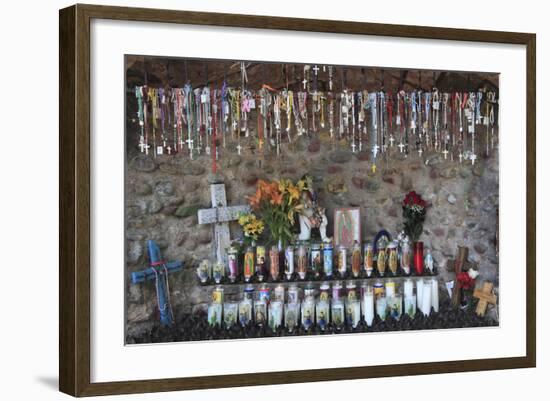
252 226
414 213
275 203
466 281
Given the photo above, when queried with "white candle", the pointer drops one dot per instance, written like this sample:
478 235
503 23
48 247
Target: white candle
435 295
419 288
390 289
408 288
368 306
426 297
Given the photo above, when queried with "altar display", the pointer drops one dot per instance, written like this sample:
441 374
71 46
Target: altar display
308 199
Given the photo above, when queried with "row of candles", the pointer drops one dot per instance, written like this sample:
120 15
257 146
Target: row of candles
337 304
317 260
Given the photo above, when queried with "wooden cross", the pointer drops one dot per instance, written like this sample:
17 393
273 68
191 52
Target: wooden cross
458 265
485 296
159 270
219 215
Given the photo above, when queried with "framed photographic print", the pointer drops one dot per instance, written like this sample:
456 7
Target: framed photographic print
347 226
205 190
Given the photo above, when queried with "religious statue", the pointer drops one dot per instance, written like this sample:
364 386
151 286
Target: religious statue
312 216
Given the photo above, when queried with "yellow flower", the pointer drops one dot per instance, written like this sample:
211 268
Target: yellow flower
294 193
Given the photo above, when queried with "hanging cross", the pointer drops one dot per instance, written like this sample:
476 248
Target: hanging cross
316 70
375 150
401 146
486 297
304 82
143 147
445 152
219 215
159 270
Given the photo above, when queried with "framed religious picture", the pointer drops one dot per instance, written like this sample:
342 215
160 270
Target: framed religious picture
211 198
347 227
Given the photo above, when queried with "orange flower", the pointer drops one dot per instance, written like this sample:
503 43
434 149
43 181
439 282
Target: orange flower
276 198
255 199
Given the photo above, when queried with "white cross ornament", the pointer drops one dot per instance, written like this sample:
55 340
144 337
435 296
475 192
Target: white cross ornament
401 146
316 70
304 82
473 158
392 140
239 147
220 215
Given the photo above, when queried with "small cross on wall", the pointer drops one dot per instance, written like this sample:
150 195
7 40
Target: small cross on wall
486 297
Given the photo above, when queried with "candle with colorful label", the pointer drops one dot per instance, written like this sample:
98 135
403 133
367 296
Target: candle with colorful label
274 262
289 262
369 259
260 262
302 261
356 259
233 263
342 260
392 258
328 257
249 264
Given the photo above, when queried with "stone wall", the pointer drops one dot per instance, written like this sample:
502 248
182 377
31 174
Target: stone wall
163 196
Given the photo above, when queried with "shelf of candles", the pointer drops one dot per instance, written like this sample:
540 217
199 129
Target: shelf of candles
313 277
195 327
324 304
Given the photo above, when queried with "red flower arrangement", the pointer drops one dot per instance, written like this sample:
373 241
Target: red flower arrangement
465 281
414 213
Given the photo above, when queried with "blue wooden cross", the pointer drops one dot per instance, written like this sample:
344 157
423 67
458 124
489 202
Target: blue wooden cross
159 270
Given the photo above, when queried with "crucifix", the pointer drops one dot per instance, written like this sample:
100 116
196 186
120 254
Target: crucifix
459 265
159 270
220 215
485 296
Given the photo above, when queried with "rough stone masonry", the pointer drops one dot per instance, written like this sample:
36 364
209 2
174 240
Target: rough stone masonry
163 196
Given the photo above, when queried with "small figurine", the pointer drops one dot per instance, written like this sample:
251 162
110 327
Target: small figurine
429 261
312 216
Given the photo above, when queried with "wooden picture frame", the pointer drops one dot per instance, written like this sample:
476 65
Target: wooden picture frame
75 200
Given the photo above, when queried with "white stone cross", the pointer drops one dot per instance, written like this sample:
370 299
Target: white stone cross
445 152
219 215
